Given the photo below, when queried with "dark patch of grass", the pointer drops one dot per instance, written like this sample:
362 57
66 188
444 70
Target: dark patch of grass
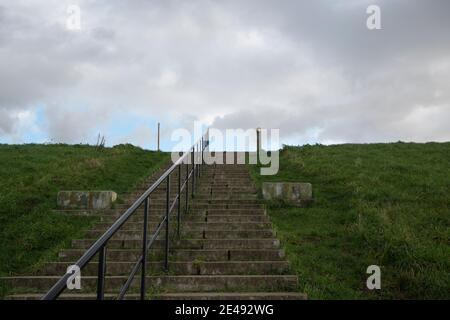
30 177
382 204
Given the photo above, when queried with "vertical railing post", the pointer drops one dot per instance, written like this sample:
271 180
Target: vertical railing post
187 188
198 163
144 249
101 273
159 135
258 144
201 155
195 163
193 170
179 200
166 259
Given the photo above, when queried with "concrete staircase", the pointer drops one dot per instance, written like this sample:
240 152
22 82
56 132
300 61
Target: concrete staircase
227 248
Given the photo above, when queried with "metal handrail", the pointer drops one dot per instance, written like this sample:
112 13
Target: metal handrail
99 246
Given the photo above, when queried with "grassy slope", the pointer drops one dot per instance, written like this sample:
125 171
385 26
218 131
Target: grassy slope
383 204
30 177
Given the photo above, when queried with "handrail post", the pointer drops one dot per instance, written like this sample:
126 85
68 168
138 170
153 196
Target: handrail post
179 200
101 273
203 148
166 259
198 161
187 188
193 171
144 248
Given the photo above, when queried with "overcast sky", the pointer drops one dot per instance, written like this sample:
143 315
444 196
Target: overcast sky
310 68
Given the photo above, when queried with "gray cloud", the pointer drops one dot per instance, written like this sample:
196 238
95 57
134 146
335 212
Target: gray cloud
310 68
6 122
73 125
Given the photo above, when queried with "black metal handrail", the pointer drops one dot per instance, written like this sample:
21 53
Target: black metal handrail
99 246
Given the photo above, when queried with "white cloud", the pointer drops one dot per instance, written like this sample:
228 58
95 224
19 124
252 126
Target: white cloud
168 78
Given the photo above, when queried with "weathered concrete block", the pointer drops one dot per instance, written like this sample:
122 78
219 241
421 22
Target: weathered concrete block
86 199
297 193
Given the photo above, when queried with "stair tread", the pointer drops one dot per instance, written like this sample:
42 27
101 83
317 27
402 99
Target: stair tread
206 276
178 295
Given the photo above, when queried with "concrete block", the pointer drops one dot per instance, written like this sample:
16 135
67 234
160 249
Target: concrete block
94 200
296 193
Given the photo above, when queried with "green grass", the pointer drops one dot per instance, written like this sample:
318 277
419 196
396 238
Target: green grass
31 176
382 204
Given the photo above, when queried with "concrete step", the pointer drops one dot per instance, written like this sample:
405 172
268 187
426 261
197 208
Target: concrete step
197 267
226 173
231 296
223 182
194 205
204 204
177 296
227 192
161 203
224 189
188 225
249 206
200 196
219 184
116 212
221 197
237 218
243 184
191 219
184 255
187 244
194 234
184 283
244 212
159 213
232 218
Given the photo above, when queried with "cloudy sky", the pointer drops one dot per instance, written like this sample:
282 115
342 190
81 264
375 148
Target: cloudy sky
310 68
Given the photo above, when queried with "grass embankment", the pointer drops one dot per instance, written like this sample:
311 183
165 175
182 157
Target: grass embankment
31 176
381 204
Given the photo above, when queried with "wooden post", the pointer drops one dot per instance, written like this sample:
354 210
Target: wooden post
258 144
158 136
